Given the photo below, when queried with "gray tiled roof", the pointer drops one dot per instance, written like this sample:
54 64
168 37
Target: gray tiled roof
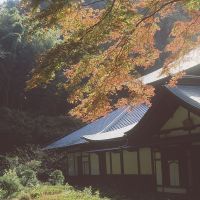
190 94
132 116
187 62
117 120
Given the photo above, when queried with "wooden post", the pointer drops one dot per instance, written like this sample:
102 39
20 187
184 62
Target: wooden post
189 170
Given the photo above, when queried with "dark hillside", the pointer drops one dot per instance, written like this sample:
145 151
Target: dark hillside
18 128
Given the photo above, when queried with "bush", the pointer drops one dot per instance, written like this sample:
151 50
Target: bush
88 191
56 177
9 183
28 178
8 162
30 165
2 193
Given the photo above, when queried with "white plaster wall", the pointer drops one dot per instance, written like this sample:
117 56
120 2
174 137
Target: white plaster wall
195 118
130 162
116 163
94 163
176 121
108 170
158 172
145 161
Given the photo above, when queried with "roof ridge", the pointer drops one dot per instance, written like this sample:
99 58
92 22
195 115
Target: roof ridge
115 119
185 63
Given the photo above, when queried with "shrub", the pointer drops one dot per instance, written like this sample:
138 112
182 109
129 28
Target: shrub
30 165
28 178
2 193
56 177
9 183
88 191
34 165
8 162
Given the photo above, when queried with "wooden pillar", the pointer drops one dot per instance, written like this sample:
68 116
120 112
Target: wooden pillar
189 171
67 167
89 163
102 163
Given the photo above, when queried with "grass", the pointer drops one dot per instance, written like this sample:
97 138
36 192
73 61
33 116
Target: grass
58 192
67 192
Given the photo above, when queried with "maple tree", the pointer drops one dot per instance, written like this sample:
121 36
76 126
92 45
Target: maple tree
103 48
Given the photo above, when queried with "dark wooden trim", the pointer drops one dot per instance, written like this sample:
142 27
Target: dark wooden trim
163 169
189 117
89 159
94 147
166 131
152 166
81 159
74 158
189 169
67 165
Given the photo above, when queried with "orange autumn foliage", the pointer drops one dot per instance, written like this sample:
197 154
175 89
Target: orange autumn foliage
103 48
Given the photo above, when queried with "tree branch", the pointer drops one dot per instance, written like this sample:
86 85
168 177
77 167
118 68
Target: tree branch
108 11
125 39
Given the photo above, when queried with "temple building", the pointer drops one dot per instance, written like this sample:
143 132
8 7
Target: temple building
144 149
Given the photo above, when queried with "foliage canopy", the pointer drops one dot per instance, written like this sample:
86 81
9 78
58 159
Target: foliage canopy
18 52
107 43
